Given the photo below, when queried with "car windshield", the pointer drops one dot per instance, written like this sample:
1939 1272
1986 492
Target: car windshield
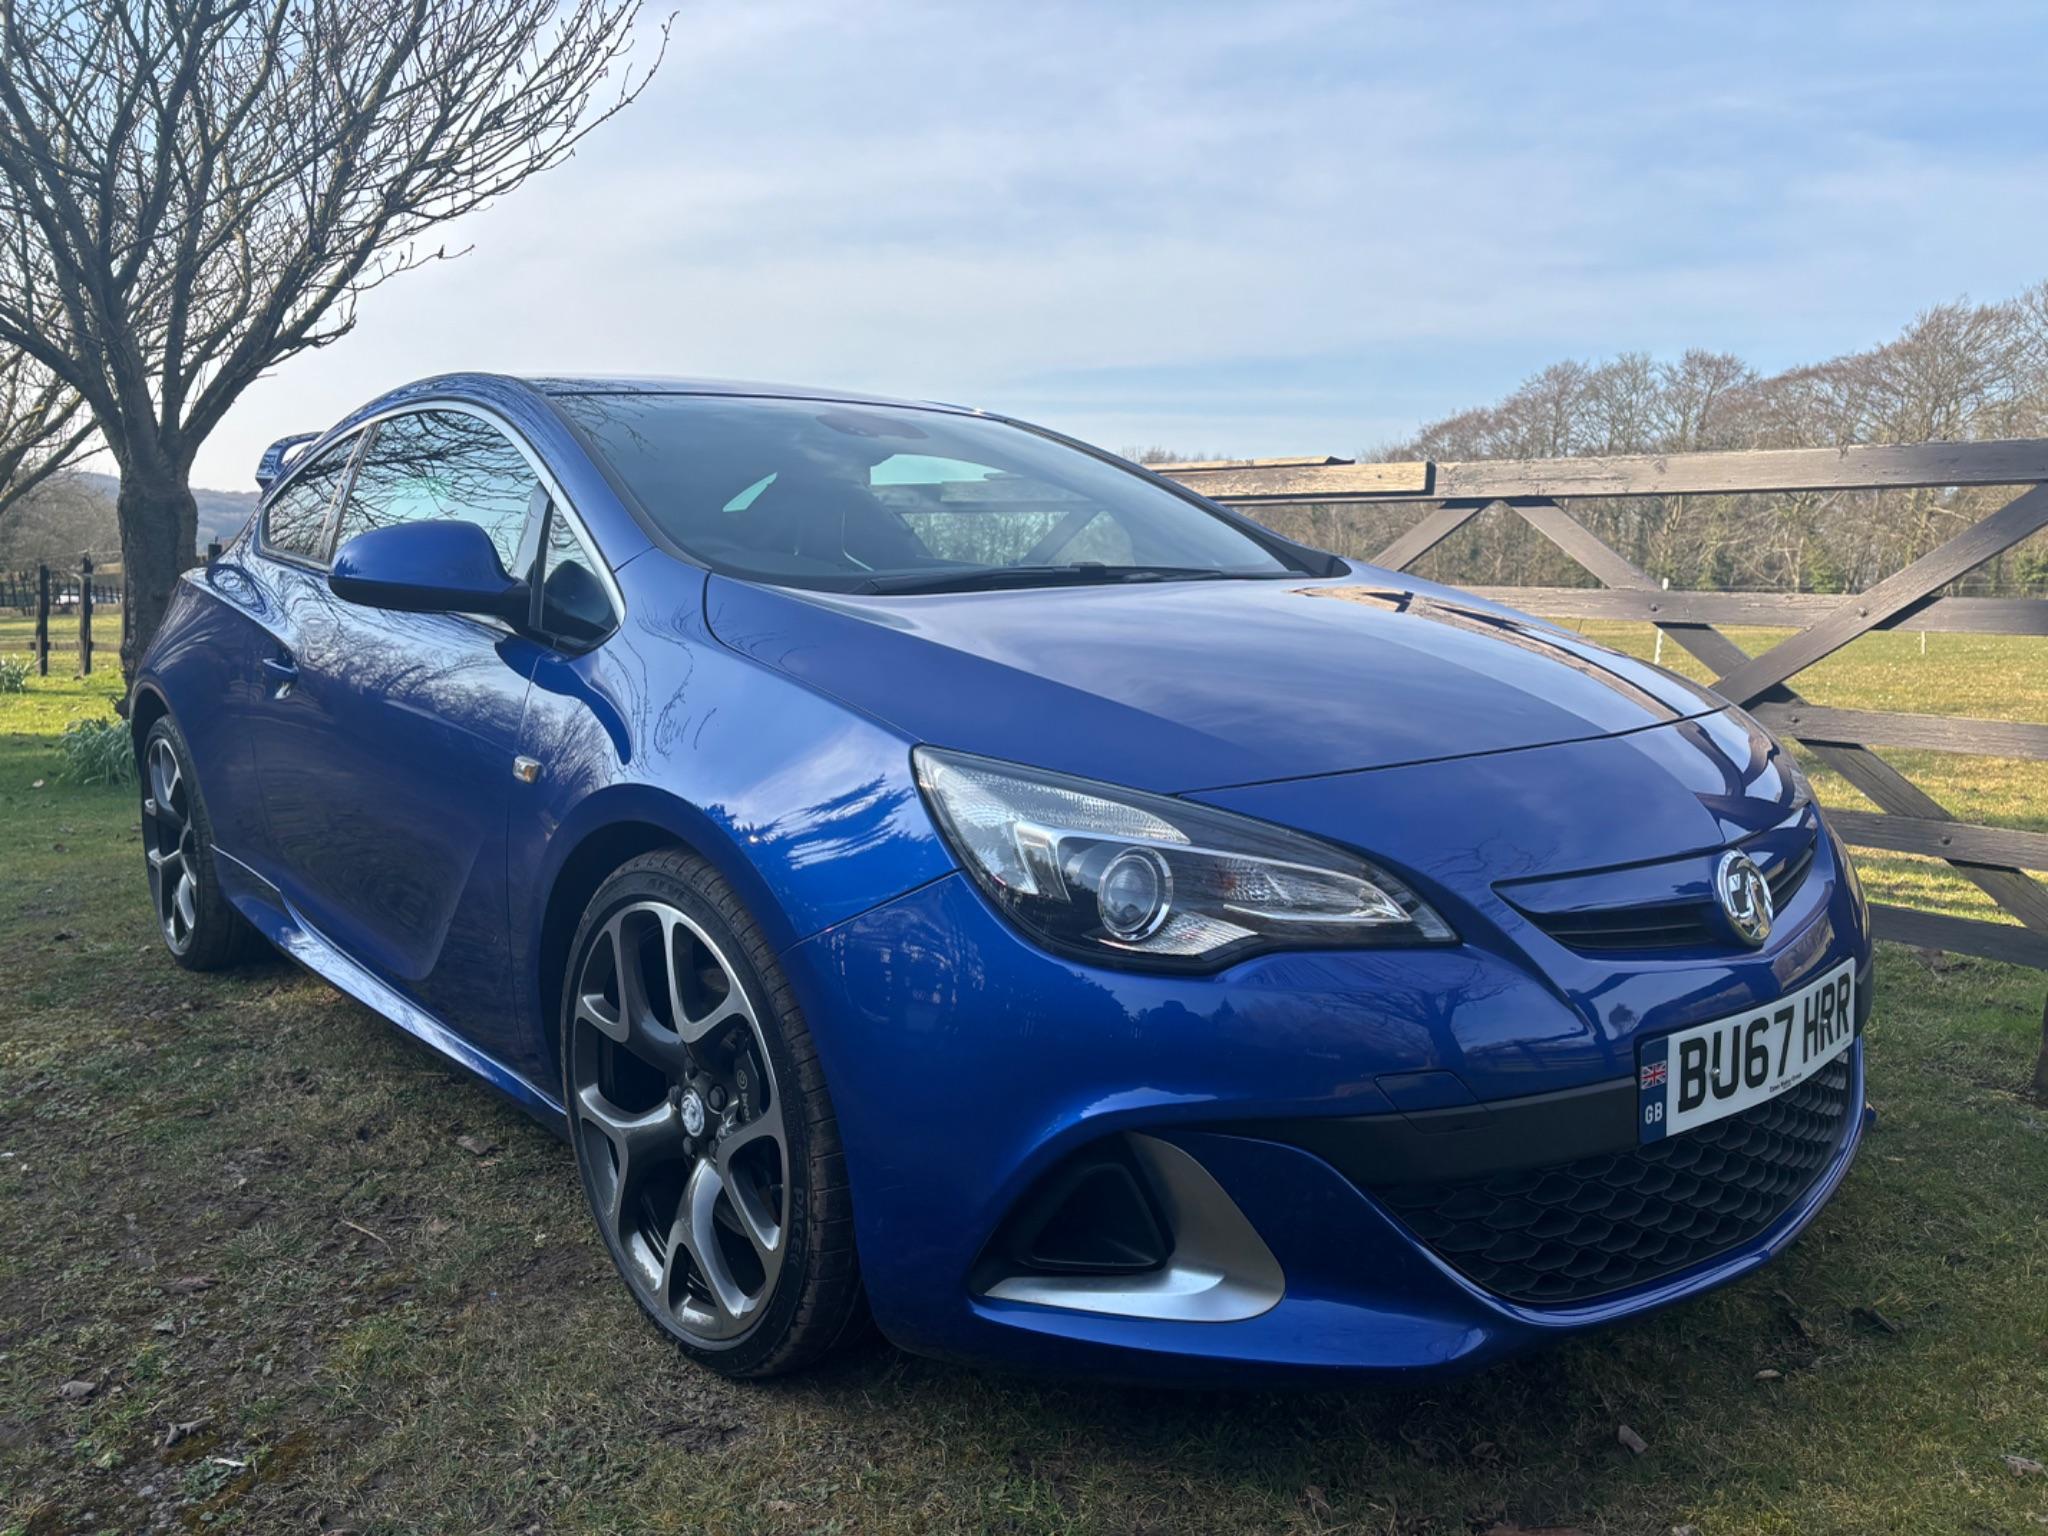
872 498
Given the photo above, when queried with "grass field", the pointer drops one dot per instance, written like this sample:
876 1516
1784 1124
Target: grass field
306 1279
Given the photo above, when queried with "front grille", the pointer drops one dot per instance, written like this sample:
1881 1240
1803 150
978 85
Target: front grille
1577 1230
1667 925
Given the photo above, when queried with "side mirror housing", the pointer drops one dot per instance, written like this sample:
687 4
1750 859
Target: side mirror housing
441 566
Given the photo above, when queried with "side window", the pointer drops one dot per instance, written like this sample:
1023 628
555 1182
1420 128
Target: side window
442 464
574 604
295 522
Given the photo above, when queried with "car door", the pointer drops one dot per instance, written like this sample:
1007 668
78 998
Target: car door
225 668
387 756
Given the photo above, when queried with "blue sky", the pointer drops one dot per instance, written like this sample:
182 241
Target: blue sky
1250 229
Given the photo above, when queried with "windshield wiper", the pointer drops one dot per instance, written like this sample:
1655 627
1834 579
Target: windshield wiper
1079 573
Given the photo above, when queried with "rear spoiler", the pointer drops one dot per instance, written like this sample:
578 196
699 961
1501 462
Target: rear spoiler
271 467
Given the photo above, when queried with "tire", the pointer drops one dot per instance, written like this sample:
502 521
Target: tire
705 1139
194 918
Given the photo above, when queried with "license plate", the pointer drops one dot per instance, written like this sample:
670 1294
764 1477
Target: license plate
1691 1077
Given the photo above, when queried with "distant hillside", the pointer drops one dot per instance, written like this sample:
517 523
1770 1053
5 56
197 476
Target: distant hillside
221 513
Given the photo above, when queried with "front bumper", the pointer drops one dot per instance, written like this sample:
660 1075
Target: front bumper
965 1063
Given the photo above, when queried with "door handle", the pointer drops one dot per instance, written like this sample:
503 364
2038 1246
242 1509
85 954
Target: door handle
283 672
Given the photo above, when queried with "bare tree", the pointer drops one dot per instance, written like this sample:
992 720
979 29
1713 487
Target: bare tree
42 425
192 191
65 516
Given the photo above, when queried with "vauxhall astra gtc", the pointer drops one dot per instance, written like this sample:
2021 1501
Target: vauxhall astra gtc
933 871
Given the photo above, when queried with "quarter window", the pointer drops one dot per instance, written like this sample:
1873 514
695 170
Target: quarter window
295 522
442 464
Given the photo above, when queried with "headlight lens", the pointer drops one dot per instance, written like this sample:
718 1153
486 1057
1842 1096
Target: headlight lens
1146 879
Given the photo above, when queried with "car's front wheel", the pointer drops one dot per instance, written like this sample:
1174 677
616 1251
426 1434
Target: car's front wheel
703 1132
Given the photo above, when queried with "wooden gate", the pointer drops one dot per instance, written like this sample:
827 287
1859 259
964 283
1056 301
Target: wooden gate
1909 820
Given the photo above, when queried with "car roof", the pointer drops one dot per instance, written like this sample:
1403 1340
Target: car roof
655 384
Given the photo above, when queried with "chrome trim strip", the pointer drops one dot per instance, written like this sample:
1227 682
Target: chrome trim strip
355 439
1220 1270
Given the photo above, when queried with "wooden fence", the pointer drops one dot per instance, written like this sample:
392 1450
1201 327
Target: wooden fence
1909 820
44 594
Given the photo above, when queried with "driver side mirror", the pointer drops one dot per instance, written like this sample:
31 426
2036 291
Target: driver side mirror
442 566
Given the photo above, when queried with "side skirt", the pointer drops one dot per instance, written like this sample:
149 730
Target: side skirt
278 921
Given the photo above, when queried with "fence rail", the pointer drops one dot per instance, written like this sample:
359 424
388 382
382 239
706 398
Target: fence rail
42 594
1995 859
18 592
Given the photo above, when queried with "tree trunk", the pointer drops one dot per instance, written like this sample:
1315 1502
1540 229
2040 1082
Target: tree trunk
159 533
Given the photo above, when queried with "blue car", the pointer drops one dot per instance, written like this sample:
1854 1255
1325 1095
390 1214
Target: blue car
935 872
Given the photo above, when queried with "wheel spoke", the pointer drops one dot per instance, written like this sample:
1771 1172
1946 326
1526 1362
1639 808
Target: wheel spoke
697 1014
592 1007
165 781
164 791
187 903
640 1142
733 1007
638 1025
592 1010
748 1192
695 1233
766 1126
657 1044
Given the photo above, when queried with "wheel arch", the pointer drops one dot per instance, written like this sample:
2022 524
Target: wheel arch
589 864
607 831
146 706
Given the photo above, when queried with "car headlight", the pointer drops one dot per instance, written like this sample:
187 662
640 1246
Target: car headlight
1116 874
1795 779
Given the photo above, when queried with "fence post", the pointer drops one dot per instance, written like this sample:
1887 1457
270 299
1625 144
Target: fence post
42 621
85 615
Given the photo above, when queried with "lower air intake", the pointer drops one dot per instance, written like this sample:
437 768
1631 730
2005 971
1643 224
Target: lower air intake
1575 1231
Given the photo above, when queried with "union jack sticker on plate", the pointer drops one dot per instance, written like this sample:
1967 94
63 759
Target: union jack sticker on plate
1654 1073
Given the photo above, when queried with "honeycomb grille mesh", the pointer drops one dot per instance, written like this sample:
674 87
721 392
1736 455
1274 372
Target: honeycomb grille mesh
1577 1230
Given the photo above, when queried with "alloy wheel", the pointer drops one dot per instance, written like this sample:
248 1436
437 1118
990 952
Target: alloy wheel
171 845
675 1102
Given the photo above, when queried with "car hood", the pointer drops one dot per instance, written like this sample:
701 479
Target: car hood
1179 686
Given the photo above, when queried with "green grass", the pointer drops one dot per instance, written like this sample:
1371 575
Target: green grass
396 1335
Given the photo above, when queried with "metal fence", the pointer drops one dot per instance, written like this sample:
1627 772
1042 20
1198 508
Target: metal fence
1909 820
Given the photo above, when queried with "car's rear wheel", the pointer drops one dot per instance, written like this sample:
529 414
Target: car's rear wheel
197 922
703 1131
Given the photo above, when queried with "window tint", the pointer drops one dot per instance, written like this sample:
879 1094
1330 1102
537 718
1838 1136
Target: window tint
819 493
574 604
296 520
442 464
